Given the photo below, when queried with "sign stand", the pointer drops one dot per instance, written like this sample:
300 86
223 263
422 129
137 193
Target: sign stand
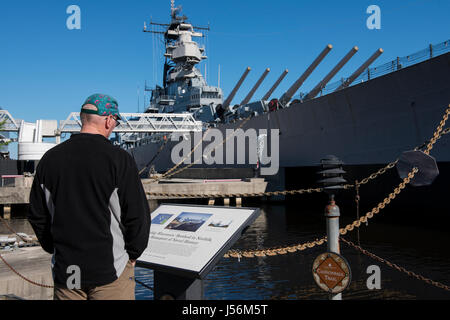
172 287
185 244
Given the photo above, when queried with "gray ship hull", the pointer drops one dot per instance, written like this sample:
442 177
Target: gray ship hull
370 123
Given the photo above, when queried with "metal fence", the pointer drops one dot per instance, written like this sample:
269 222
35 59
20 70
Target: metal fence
394 65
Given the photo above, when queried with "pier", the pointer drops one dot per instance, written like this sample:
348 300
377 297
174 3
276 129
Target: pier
15 190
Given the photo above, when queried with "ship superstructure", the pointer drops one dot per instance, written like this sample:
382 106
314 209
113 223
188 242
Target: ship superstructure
184 88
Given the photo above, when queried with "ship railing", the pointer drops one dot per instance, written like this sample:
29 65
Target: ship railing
400 62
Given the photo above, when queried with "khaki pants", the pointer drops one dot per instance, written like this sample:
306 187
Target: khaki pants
121 289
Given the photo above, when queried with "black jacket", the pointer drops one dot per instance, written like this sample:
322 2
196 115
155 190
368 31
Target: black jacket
88 208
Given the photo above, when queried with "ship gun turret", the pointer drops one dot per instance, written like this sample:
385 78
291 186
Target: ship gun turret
360 70
318 88
255 87
287 96
230 97
275 85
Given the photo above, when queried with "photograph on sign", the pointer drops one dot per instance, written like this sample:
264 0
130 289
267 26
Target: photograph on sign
161 218
188 237
189 221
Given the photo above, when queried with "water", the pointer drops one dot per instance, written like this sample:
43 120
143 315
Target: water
418 248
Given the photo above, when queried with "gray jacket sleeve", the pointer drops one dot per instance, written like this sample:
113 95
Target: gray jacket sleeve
39 215
135 211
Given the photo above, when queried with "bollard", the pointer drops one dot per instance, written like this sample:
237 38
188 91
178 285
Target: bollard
332 181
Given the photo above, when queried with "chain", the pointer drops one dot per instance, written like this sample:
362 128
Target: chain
156 155
381 205
24 278
376 174
48 286
438 133
274 251
12 230
239 195
350 227
393 265
357 200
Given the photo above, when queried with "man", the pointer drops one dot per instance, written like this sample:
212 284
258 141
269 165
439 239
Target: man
88 208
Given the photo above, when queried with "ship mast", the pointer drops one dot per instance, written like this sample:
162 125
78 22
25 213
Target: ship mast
182 53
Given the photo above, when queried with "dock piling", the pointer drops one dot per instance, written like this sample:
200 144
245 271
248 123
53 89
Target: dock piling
7 212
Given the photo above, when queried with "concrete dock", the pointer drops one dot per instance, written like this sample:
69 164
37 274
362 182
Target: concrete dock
191 188
34 264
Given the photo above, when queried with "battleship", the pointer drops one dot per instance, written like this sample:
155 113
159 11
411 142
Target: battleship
367 120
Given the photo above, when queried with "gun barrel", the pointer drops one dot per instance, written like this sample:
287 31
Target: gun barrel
255 87
293 89
275 85
236 87
360 70
332 73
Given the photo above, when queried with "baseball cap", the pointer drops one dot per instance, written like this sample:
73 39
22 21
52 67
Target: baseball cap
106 105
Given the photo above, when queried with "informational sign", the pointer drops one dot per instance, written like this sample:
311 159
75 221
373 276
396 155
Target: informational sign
189 239
331 272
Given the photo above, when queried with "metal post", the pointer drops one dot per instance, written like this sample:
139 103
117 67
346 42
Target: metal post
332 214
332 181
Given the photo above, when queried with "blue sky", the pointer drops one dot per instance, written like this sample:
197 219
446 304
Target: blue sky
46 70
